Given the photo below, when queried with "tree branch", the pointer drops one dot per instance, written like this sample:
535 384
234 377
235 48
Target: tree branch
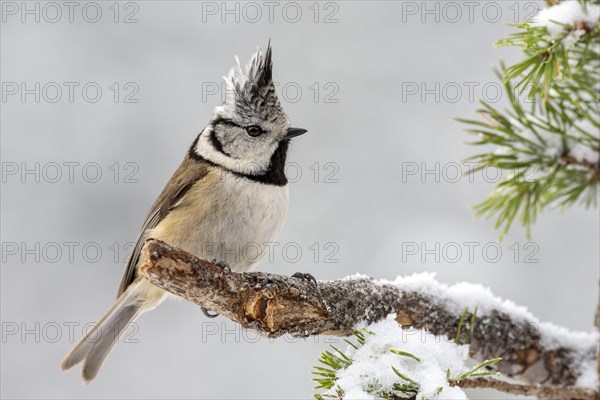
541 392
276 305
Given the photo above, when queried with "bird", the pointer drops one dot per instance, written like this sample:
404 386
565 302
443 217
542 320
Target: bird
229 190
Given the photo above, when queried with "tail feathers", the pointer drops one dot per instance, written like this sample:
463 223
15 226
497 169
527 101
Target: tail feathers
93 348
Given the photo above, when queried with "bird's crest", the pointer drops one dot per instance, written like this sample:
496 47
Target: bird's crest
250 89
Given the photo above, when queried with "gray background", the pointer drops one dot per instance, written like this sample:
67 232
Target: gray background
369 135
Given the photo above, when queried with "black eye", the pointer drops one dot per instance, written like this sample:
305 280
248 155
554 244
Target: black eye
254 130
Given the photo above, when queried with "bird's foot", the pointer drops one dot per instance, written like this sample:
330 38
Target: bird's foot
208 314
311 279
226 268
223 264
305 276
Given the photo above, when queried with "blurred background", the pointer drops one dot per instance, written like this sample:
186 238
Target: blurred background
101 100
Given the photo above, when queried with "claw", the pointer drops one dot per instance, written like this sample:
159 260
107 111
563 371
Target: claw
208 314
305 276
223 264
310 278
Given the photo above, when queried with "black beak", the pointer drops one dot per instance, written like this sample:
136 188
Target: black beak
293 132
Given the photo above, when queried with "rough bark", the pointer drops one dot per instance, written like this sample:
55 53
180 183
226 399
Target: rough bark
276 305
541 392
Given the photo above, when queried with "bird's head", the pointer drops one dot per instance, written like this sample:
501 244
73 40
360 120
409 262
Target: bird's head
249 133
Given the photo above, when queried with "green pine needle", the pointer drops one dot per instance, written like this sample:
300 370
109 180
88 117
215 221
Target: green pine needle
561 82
460 324
405 354
475 371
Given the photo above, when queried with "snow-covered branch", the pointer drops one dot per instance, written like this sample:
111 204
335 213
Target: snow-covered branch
541 392
532 352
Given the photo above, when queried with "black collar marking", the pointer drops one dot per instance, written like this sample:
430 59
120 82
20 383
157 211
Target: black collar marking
275 174
216 143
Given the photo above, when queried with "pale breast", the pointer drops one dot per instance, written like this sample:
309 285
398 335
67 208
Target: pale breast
226 217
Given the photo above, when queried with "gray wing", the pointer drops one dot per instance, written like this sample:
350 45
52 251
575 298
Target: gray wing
187 174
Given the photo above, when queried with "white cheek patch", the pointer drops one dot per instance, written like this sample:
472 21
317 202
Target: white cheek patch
255 166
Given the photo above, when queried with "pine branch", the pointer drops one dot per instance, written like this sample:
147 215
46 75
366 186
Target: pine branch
549 149
374 383
276 305
547 58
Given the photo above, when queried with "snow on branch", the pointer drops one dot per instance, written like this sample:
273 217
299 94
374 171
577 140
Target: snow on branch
541 355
